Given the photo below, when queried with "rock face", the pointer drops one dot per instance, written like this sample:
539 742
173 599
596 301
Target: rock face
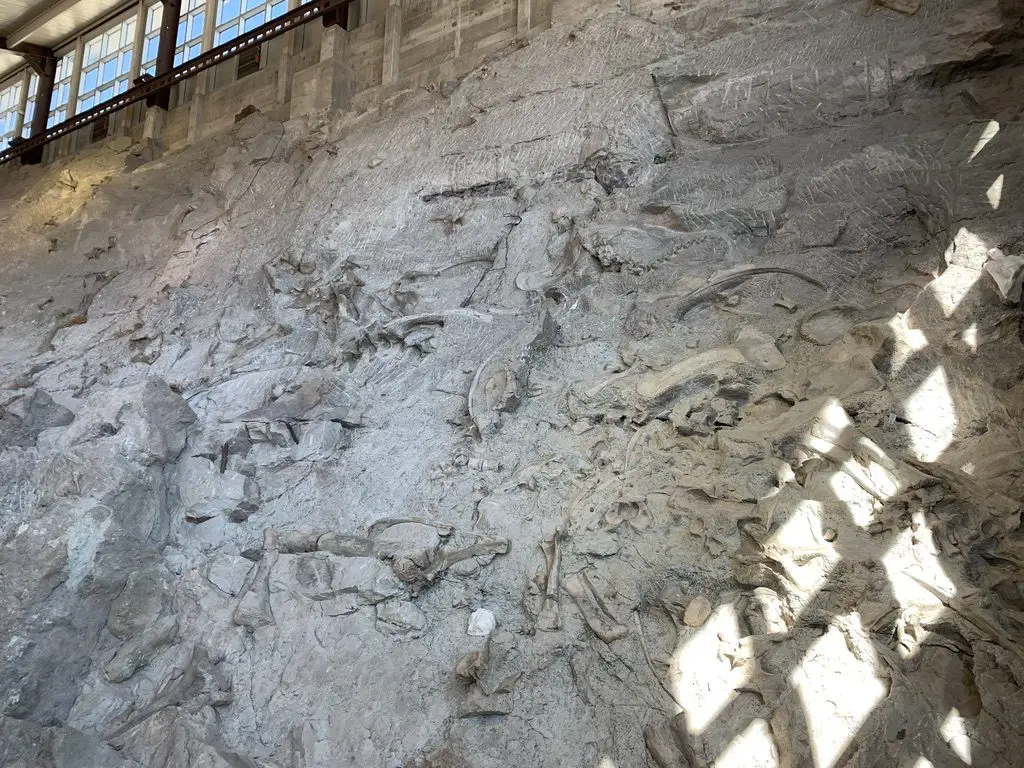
684 339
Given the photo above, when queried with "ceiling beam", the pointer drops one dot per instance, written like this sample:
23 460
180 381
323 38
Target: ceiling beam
49 13
41 59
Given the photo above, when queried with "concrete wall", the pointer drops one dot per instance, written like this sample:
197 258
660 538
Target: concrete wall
395 47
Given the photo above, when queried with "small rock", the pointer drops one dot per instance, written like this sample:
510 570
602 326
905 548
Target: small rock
119 144
697 612
342 605
139 651
471 665
715 547
400 617
786 304
320 440
481 623
599 544
1007 272
206 492
909 7
830 534
759 348
733 300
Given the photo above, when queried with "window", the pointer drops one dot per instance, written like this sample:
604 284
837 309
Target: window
61 90
189 42
236 17
10 98
106 65
30 104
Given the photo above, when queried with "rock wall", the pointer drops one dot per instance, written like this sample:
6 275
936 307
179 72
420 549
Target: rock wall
651 396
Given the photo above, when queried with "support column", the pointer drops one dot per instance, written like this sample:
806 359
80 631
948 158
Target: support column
525 17
76 77
197 107
165 50
335 67
140 37
392 42
45 65
44 95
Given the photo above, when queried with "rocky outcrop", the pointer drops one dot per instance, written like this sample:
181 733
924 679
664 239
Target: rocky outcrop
650 395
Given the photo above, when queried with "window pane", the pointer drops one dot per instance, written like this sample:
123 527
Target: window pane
227 34
109 70
252 22
121 86
85 104
106 93
111 41
195 50
278 9
149 49
90 79
229 9
156 13
181 33
92 52
126 63
195 27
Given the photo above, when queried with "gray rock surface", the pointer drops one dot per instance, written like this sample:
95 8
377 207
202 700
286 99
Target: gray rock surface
694 357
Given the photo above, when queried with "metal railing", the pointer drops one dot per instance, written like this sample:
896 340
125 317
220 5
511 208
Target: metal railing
211 58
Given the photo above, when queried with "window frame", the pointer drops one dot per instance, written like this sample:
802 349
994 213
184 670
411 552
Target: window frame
107 58
10 106
189 39
249 15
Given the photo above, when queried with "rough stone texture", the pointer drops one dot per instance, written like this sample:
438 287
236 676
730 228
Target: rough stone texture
280 411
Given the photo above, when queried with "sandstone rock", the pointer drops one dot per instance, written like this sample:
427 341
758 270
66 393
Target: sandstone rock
1007 273
400 617
138 651
759 348
25 417
145 596
697 612
320 440
600 544
27 745
148 419
206 492
416 542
